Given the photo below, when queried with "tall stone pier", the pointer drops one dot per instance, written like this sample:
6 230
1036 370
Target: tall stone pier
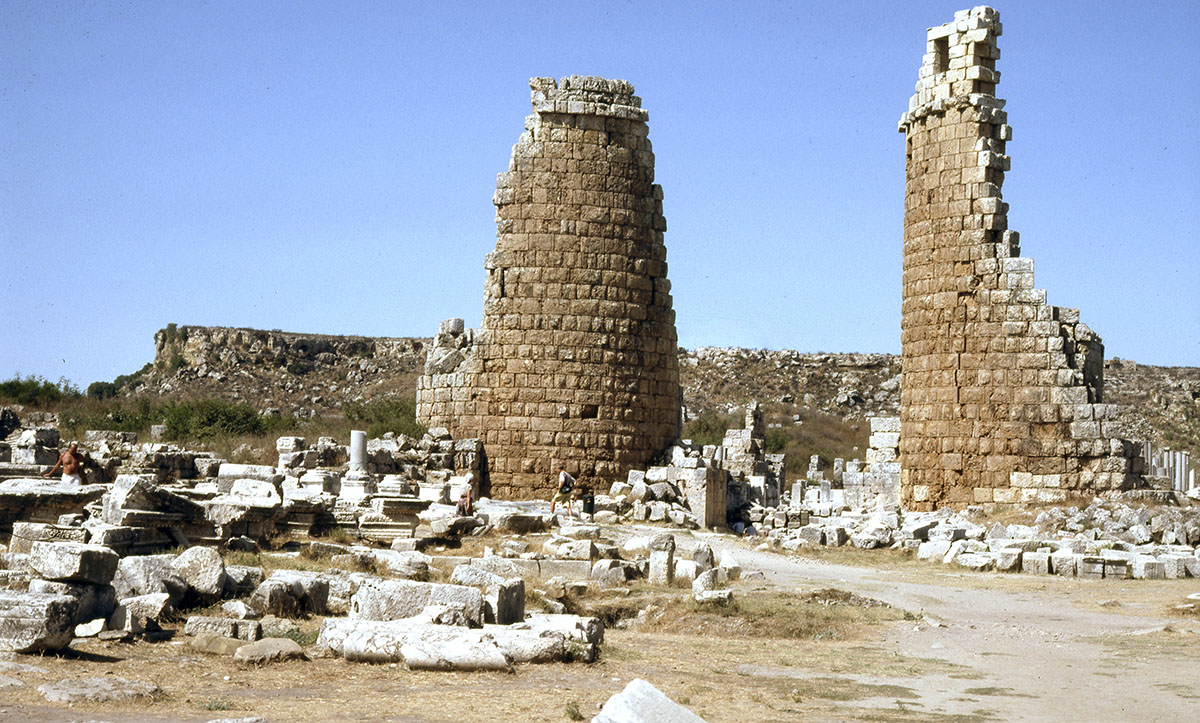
575 363
1002 394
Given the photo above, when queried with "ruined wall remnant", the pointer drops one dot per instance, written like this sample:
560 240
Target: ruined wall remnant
1001 394
575 363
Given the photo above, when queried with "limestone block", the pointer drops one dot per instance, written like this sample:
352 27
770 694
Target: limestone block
96 690
142 612
662 566
1008 559
73 562
504 600
685 572
145 574
641 702
1148 568
704 557
397 599
203 570
1035 563
269 650
1064 563
224 627
288 593
24 534
933 550
242 580
92 601
32 622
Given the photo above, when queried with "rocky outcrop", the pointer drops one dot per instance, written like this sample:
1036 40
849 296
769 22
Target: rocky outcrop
294 373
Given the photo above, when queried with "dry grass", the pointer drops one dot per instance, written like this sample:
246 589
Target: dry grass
770 679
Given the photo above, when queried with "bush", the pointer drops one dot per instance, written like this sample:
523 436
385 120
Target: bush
135 416
35 391
102 390
398 416
208 418
709 427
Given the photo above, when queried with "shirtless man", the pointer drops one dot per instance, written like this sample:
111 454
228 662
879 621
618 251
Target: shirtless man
71 462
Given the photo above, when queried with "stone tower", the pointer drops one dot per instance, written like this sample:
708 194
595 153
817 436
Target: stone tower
1001 396
576 361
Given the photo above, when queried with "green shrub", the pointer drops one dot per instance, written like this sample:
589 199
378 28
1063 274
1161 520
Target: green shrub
130 416
709 427
35 391
208 418
102 390
398 416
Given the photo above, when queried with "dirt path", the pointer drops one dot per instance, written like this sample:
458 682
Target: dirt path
1037 654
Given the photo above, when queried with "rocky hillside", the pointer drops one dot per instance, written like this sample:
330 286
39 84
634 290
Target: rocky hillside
303 374
298 374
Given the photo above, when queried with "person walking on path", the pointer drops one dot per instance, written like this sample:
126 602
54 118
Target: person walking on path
71 462
566 486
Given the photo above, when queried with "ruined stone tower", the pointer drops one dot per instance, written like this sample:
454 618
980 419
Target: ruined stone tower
575 363
1001 396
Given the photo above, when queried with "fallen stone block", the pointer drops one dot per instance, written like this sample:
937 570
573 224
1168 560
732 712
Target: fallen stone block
92 601
1035 563
241 580
291 593
641 702
143 612
571 569
522 645
204 571
145 574
239 610
1175 566
91 628
97 690
519 523
705 581
1090 567
73 562
976 561
1064 563
717 597
575 627
1007 559
685 571
215 644
269 650
419 646
577 550
24 534
30 622
504 600
397 599
225 627
1148 568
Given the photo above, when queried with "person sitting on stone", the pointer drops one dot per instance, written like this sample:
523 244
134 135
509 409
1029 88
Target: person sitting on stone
72 463
465 507
565 490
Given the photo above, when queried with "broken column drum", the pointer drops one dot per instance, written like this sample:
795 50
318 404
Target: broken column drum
1001 394
576 361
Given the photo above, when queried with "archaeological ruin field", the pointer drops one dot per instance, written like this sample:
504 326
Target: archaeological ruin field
565 515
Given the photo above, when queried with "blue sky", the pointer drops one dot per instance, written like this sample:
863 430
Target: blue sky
329 167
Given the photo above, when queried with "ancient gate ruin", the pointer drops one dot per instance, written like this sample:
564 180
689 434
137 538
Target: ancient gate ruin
1001 395
576 362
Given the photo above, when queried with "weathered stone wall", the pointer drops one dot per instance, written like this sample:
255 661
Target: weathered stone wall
576 360
1001 394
